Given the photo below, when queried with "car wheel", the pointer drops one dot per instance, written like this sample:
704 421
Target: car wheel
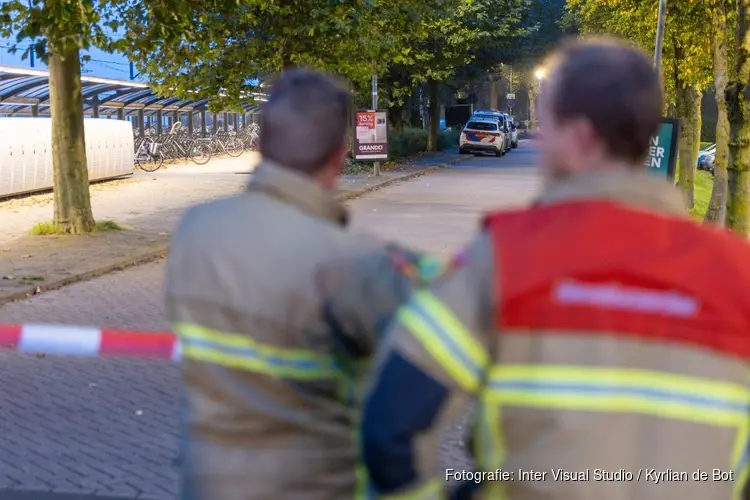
462 151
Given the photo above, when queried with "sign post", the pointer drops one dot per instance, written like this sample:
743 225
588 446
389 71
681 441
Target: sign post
662 150
511 98
371 139
376 166
660 22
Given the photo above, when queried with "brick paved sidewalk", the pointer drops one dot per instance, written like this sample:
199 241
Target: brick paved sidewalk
148 205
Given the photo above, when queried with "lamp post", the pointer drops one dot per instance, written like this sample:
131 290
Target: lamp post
660 33
539 73
376 165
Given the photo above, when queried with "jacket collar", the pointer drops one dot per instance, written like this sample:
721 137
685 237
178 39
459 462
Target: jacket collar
298 190
633 188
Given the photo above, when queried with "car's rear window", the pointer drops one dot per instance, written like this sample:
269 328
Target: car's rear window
492 117
481 126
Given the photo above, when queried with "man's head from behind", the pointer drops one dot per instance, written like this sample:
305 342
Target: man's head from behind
598 108
303 124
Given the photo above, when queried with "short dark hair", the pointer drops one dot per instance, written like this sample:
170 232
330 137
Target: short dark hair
614 86
304 122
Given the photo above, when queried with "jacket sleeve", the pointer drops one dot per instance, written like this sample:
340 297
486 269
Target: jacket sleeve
429 368
361 294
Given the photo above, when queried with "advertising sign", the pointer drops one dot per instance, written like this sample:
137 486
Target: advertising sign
371 139
662 151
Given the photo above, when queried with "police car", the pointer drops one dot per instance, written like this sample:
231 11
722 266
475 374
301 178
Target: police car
483 134
505 125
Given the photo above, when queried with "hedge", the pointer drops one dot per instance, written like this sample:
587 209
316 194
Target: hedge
413 141
410 142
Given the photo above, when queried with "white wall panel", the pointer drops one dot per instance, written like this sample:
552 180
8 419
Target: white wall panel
26 152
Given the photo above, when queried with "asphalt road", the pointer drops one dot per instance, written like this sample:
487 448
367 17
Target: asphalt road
78 429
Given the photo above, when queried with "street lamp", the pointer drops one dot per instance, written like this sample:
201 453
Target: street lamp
661 20
540 73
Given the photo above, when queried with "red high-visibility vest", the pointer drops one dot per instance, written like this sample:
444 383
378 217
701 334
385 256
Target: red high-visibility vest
602 268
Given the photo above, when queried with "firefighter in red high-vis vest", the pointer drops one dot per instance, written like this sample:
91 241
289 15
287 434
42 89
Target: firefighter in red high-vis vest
604 335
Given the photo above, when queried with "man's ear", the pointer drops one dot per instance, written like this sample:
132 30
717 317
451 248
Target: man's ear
583 135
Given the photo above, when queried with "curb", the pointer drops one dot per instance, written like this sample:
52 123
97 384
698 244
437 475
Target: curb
138 260
162 250
401 178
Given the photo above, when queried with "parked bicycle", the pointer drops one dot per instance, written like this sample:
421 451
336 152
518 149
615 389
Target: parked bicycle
148 156
181 145
226 143
249 137
153 150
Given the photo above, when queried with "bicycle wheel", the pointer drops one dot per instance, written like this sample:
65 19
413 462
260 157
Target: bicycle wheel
234 148
200 153
150 163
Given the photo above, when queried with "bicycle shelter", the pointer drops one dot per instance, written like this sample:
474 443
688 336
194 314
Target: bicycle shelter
26 92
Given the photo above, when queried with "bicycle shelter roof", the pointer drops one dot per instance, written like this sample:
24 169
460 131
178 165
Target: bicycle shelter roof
27 92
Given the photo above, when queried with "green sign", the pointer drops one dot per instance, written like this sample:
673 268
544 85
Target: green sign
662 150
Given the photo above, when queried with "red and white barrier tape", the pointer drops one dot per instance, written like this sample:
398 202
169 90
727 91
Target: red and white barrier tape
87 341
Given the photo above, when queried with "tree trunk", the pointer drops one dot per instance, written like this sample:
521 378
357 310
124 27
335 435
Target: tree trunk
72 200
494 94
433 88
688 111
414 118
738 108
396 117
717 207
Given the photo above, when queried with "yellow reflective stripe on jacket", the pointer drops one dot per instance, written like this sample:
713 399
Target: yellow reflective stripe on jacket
240 352
741 459
445 338
490 445
620 390
431 490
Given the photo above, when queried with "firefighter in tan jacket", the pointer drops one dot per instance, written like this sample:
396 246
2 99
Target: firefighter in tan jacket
270 376
605 336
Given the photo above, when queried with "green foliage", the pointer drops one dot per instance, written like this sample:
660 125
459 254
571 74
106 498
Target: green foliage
541 30
704 183
403 145
407 143
449 40
449 139
413 141
687 38
58 26
216 47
